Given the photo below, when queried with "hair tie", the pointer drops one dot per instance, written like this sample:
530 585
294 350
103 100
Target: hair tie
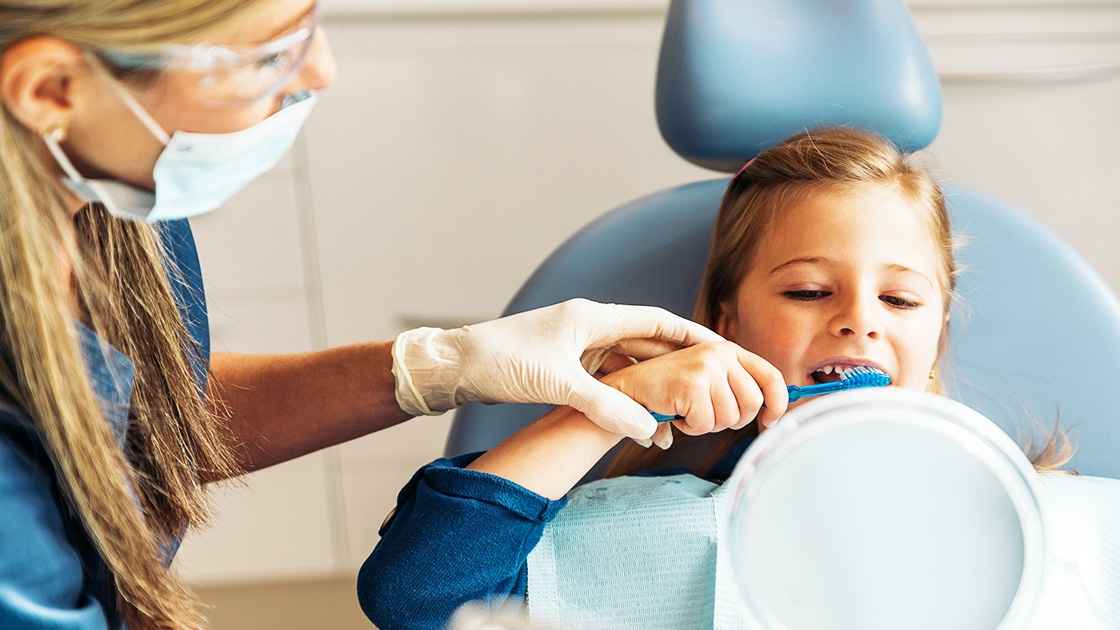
745 166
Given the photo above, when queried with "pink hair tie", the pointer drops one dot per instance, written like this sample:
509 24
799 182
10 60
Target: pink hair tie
745 166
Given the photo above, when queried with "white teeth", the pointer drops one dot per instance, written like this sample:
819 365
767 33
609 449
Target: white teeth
843 371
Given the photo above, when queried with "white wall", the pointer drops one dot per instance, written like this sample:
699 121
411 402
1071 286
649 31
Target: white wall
1032 98
465 140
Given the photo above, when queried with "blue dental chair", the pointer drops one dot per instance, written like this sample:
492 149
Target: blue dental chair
1037 331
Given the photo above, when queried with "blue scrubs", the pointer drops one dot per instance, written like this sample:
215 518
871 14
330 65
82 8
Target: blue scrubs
51 576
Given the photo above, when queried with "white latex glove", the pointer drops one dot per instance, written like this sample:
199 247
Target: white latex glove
546 355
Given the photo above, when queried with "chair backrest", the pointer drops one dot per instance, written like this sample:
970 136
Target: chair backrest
650 251
1036 328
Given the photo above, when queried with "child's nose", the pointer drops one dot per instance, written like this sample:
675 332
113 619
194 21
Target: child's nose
858 317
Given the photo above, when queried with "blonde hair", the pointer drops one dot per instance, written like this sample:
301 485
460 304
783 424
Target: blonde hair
121 287
835 159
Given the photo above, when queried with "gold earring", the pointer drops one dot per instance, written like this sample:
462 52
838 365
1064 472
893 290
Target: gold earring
57 130
932 373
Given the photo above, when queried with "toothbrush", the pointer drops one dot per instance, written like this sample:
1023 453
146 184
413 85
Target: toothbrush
855 378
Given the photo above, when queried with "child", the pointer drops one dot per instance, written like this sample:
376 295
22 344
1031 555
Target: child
831 251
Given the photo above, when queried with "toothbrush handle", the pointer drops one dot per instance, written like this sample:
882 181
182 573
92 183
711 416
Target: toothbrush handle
797 393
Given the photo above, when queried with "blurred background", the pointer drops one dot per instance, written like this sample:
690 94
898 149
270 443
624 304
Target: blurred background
466 139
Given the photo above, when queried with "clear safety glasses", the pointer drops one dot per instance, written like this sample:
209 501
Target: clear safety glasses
230 75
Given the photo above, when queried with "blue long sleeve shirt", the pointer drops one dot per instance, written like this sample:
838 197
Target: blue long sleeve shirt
459 536
51 575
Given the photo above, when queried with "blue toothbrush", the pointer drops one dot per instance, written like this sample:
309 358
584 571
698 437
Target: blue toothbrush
855 378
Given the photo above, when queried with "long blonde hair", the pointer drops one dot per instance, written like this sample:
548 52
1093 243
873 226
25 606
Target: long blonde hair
830 159
120 286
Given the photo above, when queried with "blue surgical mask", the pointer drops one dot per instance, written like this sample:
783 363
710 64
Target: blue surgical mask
195 172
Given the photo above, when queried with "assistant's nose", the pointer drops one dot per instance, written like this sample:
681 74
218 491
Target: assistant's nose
859 315
319 68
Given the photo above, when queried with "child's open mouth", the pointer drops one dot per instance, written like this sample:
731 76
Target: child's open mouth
831 373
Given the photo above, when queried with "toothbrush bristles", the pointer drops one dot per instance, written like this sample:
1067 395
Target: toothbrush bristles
863 376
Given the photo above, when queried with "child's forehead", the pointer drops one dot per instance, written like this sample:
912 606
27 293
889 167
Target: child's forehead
850 222
823 209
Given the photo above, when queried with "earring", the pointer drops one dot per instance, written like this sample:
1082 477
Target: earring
932 373
57 130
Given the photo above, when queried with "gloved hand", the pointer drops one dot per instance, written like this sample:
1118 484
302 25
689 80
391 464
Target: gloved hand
546 355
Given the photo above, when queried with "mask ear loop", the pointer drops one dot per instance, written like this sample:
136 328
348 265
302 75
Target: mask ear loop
141 113
131 103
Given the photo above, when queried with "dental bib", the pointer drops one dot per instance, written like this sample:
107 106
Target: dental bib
1082 586
633 553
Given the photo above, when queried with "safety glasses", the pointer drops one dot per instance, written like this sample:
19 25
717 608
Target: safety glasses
230 75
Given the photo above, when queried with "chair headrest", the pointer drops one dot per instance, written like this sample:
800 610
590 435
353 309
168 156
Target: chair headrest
734 78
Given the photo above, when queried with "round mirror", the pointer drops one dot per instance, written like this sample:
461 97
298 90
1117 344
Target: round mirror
888 509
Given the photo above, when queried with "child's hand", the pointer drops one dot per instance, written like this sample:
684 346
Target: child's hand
715 386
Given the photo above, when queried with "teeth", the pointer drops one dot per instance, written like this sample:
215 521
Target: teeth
843 371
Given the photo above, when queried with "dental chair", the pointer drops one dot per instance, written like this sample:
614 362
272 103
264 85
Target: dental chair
1036 333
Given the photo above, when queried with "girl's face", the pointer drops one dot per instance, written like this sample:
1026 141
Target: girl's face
842 279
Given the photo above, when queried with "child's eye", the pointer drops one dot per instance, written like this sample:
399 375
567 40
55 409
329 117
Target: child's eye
807 295
899 302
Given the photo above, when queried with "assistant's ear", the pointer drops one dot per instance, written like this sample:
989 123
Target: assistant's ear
36 80
726 321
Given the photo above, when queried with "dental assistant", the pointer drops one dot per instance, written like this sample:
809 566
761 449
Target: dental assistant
121 118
